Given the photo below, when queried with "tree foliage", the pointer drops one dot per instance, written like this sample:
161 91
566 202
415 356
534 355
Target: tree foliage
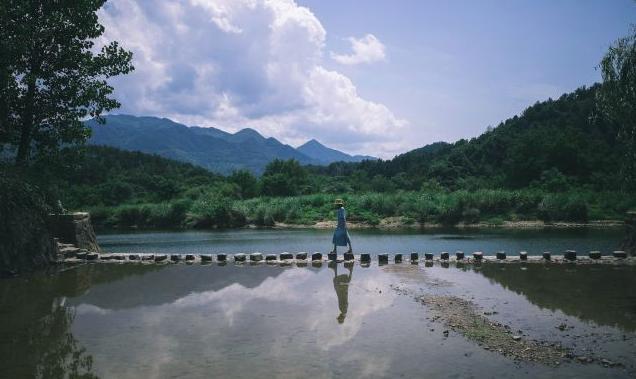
50 75
617 99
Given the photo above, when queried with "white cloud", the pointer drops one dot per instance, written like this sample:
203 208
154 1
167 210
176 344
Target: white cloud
367 49
245 63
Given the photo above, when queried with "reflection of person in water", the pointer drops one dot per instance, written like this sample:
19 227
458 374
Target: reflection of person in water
341 286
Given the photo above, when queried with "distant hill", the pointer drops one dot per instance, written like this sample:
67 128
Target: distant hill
559 144
326 155
211 148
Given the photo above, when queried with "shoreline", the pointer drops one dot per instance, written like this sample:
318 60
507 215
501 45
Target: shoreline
395 223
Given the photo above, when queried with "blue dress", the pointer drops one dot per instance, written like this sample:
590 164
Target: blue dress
341 235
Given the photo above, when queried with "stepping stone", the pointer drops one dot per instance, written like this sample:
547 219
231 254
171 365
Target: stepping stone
501 255
81 255
397 258
270 257
547 256
316 257
619 254
189 257
415 257
160 257
256 257
332 256
478 255
221 257
383 258
301 256
206 258
349 257
175 257
119 257
570 255
365 258
444 256
148 257
240 257
91 256
595 254
523 255
133 257
286 256
459 255
428 256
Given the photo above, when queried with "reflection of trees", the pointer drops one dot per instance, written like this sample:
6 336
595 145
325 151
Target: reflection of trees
35 329
602 294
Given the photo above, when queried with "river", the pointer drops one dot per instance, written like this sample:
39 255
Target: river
262 320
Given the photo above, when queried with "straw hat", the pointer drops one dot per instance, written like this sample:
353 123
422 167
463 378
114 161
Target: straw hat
339 202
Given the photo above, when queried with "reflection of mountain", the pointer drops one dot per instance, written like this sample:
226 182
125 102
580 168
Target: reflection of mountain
581 291
142 286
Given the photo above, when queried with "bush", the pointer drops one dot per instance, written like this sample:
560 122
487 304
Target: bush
471 215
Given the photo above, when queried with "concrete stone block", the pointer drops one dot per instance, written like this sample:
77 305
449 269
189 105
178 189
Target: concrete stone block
256 257
428 256
444 256
383 258
501 255
397 258
160 257
316 257
570 255
619 254
349 257
240 257
365 258
221 257
547 255
459 255
286 256
415 257
301 256
478 255
595 254
523 255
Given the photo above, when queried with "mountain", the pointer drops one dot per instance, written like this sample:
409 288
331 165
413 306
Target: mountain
326 155
211 148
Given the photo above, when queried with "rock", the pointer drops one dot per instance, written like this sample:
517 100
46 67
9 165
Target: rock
619 254
383 258
501 255
301 256
256 257
175 257
459 255
160 257
81 255
106 257
349 257
365 258
397 258
316 257
240 257
286 256
221 257
69 252
270 257
443 256
570 255
478 255
547 255
415 257
516 338
332 256
206 258
595 254
133 257
119 257
428 256
189 257
91 256
523 255
147 257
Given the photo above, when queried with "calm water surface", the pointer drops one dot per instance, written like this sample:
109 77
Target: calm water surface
270 321
534 241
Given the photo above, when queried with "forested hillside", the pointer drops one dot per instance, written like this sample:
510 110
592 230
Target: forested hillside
556 144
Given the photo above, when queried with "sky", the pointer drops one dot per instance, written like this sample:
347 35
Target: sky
366 77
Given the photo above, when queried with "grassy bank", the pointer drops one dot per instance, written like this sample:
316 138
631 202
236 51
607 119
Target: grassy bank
212 210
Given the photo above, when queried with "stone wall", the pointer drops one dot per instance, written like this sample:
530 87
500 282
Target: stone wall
74 228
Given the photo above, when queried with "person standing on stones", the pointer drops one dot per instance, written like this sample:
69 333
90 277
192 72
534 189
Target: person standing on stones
341 235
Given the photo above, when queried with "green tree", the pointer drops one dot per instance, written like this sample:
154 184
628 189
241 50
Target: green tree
246 181
284 178
617 98
50 75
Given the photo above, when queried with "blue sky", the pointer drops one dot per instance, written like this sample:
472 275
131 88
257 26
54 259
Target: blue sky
371 77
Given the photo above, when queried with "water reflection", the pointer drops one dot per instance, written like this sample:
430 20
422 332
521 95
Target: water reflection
341 286
602 294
